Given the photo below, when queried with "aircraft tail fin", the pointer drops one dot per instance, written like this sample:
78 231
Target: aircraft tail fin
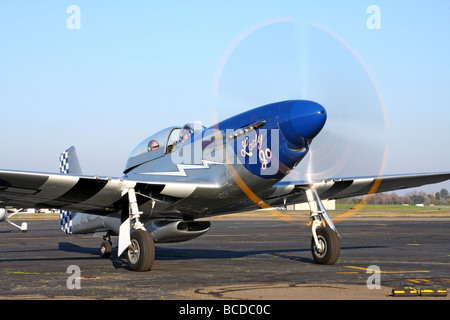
68 164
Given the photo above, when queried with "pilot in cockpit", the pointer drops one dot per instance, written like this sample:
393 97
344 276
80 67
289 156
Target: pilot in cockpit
186 132
153 145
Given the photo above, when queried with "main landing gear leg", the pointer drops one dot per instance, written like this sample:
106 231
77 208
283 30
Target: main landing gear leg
325 242
139 245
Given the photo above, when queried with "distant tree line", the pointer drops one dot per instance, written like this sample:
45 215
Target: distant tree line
440 198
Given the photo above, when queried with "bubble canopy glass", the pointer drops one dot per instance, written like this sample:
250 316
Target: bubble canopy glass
158 144
160 137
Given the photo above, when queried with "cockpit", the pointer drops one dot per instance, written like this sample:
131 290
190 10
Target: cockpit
160 143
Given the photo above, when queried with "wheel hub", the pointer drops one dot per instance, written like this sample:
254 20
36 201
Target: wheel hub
133 251
321 251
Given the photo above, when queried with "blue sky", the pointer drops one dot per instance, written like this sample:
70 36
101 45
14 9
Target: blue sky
136 67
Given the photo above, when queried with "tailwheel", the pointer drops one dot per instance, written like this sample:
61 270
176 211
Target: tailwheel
105 248
141 252
328 248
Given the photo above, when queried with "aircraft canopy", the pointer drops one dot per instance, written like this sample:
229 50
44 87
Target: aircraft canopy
157 141
166 138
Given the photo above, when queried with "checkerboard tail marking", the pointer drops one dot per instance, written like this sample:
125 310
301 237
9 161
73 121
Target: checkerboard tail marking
68 163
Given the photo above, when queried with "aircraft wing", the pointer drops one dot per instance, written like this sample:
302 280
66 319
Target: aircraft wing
293 191
103 195
80 193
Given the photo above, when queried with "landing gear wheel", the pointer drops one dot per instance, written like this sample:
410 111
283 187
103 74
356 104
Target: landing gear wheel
141 252
331 246
105 249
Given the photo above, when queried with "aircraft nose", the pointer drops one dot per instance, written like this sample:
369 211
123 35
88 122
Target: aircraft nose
302 121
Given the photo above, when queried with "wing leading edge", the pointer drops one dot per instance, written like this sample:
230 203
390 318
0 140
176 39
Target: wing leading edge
293 191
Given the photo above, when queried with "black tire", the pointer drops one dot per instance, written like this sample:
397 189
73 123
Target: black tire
141 253
332 246
105 249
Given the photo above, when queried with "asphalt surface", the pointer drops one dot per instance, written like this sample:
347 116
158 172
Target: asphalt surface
241 257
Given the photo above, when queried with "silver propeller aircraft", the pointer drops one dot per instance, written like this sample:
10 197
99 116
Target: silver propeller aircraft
181 174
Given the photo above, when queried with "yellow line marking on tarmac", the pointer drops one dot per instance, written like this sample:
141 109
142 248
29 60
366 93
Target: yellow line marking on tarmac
24 273
349 272
419 280
365 269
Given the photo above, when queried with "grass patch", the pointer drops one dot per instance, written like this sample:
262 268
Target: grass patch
387 207
35 216
394 210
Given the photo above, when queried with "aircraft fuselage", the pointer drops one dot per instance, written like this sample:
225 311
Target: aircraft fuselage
249 152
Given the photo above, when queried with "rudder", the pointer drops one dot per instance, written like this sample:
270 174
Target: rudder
68 164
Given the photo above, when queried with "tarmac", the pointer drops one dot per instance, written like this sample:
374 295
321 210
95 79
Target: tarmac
243 257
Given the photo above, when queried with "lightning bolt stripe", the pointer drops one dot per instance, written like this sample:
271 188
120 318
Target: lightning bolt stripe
183 167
